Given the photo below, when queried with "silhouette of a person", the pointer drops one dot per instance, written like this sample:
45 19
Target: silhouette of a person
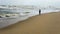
39 11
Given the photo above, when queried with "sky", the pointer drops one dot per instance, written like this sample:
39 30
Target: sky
31 2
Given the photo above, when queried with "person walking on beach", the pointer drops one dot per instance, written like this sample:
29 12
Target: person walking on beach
39 11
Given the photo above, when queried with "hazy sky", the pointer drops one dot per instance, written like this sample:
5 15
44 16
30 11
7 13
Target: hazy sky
31 2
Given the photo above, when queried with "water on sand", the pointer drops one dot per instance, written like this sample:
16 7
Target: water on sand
40 24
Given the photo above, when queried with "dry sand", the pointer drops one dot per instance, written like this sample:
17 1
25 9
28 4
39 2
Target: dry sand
40 24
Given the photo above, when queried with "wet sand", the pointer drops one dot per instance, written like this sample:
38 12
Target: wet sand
40 24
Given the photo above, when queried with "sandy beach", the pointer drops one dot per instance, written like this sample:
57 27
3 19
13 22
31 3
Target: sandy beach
48 23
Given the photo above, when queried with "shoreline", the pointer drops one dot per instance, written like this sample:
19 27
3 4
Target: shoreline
41 24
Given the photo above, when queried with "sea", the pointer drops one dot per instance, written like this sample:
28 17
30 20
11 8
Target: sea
6 21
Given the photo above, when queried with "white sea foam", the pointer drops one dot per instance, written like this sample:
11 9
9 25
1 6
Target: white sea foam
4 22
